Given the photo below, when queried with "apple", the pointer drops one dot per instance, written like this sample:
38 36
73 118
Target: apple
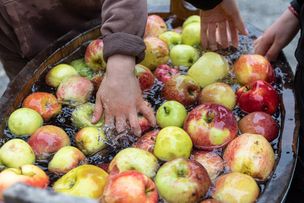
250 154
210 201
82 116
147 141
84 181
134 159
211 161
44 103
252 67
182 181
208 69
157 53
164 72
96 80
16 153
211 126
260 123
82 68
30 175
171 143
90 140
72 157
236 187
171 38
184 55
143 123
47 140
258 96
191 34
155 26
145 77
181 88
171 113
129 187
94 55
178 30
58 73
192 19
218 93
74 91
24 121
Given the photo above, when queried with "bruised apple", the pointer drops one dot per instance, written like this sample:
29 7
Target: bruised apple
182 181
157 53
145 77
44 103
250 154
155 26
164 72
147 141
144 124
260 123
258 96
181 88
74 91
30 175
128 187
211 126
253 67
94 55
236 187
47 140
59 73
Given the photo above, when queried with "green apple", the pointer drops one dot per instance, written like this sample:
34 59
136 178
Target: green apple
171 143
59 73
72 158
134 159
208 69
182 181
218 93
84 181
171 113
191 34
24 122
82 68
16 153
82 116
192 19
90 140
171 38
184 55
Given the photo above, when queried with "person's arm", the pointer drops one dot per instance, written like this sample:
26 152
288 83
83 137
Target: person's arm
279 34
119 96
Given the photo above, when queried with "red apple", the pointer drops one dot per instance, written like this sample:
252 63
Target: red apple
211 161
260 123
155 26
48 140
236 187
44 103
96 80
210 201
258 96
211 126
147 141
104 166
164 72
94 55
145 77
157 53
250 154
144 124
182 180
74 91
181 88
130 187
250 68
27 174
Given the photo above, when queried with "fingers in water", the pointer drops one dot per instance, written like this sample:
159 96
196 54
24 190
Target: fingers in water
98 110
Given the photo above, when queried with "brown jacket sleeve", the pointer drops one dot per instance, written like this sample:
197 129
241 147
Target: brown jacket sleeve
123 27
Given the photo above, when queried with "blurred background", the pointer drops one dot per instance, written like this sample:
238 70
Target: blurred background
260 13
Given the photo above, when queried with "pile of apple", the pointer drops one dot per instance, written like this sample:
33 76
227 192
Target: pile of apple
200 149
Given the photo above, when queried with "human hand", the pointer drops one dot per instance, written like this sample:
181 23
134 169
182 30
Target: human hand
119 96
277 36
222 24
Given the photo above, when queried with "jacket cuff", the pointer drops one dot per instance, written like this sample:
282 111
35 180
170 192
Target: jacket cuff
124 44
205 4
296 6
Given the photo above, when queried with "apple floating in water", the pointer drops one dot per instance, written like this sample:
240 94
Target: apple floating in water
59 73
171 38
145 77
184 55
147 141
94 55
164 72
191 34
155 26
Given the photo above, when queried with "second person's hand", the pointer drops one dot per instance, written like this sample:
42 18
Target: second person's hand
119 96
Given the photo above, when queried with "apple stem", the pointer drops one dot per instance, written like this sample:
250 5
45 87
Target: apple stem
166 110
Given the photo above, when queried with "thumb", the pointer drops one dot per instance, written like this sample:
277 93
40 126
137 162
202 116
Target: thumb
273 52
98 110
